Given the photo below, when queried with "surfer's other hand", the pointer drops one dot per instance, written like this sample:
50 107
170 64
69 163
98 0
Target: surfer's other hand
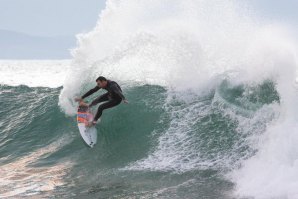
125 101
82 103
78 99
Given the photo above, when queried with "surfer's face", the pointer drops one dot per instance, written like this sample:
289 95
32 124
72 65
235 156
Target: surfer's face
102 84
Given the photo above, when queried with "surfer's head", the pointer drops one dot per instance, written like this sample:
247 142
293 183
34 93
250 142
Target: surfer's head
101 82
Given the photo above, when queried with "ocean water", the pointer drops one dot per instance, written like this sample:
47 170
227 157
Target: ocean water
212 112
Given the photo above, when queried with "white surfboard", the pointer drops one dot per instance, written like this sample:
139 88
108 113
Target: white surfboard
89 134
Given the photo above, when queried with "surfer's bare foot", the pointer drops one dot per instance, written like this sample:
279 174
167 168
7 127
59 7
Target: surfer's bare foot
90 124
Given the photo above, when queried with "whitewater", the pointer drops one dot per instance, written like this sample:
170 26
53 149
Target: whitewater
212 113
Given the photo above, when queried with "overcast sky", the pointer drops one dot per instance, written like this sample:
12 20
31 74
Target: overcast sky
49 17
69 17
279 10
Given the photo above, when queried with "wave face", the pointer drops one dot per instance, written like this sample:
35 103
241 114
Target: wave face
211 115
158 146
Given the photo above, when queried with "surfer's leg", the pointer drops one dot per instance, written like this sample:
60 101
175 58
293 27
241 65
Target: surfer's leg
104 106
102 98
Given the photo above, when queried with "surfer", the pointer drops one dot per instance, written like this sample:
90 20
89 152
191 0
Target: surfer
112 98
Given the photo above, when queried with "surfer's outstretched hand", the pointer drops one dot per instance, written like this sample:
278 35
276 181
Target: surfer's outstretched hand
125 101
82 103
78 99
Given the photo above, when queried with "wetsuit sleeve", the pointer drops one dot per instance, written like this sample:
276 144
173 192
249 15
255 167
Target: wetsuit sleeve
90 92
118 92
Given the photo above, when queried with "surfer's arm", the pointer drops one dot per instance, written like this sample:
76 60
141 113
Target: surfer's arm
90 92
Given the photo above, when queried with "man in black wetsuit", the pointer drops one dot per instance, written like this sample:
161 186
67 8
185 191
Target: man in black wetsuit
112 98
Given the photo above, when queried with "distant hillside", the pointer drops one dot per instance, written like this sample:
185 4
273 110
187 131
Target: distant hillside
15 45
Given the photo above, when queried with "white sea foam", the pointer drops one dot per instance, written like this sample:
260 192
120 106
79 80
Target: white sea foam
33 73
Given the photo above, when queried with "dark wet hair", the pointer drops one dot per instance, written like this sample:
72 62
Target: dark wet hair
101 78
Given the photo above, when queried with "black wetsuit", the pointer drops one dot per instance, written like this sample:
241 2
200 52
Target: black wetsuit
113 97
